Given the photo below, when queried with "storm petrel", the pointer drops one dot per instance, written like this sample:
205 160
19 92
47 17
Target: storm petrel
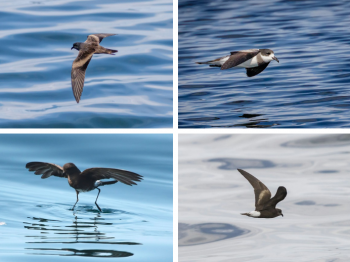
88 179
86 50
265 206
253 60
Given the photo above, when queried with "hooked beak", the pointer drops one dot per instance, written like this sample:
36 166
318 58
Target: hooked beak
275 58
72 47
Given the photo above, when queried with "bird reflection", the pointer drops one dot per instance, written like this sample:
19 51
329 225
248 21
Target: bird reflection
79 231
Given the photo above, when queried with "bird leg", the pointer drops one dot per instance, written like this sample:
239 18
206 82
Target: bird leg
99 190
77 199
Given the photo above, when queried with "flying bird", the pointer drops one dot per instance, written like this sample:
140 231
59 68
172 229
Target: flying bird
87 180
265 206
253 60
86 50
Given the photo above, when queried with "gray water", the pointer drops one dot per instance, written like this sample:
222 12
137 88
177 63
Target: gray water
212 193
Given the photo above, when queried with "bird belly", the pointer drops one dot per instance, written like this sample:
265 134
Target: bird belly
253 62
82 190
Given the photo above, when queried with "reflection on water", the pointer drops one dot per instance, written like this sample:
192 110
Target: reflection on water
232 163
80 231
206 233
320 141
212 193
84 253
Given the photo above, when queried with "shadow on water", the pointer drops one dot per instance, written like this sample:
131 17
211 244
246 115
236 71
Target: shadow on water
79 231
234 163
198 234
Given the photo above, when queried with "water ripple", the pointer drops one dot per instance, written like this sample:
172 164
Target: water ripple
308 88
36 60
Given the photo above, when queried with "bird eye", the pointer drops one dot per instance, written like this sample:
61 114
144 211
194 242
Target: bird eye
268 53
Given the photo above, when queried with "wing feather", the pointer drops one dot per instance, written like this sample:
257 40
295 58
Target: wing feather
256 70
280 195
78 73
262 193
101 36
239 57
124 176
45 169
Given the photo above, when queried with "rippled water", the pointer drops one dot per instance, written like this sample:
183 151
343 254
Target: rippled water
131 89
212 194
36 220
308 88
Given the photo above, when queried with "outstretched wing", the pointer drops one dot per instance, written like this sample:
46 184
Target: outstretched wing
78 72
256 70
280 195
262 193
239 57
124 176
45 169
97 37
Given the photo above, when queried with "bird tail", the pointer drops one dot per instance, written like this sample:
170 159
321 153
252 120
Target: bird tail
201 63
213 63
245 214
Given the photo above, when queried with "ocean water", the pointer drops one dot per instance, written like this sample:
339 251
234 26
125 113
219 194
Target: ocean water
308 88
132 88
36 220
315 170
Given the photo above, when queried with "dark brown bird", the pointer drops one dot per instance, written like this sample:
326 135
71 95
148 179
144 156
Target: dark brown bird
265 206
86 50
88 179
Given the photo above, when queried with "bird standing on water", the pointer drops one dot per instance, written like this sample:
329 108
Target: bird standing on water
88 179
86 50
253 60
265 206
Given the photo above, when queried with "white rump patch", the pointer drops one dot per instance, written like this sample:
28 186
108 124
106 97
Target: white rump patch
98 183
254 213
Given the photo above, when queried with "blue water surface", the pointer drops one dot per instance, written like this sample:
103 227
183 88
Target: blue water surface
309 88
36 220
130 89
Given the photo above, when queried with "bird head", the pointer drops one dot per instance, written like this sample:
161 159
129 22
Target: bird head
279 212
70 168
268 55
76 46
